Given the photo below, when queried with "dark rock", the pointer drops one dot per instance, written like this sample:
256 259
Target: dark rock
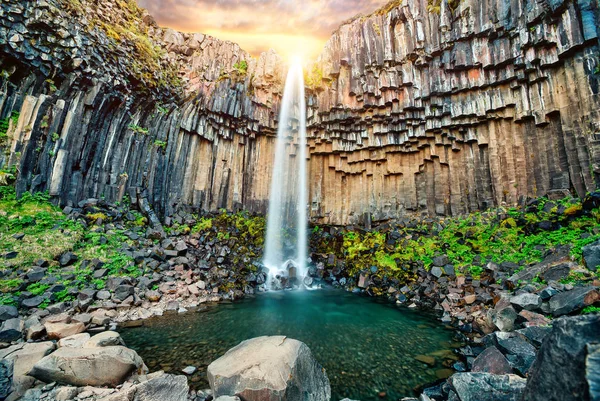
67 259
592 370
441 261
518 351
591 255
556 272
559 371
487 387
572 301
6 374
548 293
99 273
437 271
8 312
32 302
535 334
491 360
123 291
11 330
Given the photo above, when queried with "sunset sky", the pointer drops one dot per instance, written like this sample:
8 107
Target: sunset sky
289 26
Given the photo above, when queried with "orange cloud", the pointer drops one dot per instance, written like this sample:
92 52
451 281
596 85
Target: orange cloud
290 27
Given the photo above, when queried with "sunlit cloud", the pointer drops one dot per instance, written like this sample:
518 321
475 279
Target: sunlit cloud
287 26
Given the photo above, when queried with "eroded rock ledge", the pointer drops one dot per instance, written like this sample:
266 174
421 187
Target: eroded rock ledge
418 111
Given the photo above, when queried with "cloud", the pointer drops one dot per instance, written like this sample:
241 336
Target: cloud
257 25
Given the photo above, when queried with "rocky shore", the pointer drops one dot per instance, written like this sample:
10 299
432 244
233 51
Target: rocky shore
504 310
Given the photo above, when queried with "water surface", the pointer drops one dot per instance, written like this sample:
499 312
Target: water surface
367 347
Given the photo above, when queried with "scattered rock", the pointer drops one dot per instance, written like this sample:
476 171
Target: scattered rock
189 370
8 312
527 301
591 255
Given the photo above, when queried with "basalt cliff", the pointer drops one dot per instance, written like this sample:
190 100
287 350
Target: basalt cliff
418 108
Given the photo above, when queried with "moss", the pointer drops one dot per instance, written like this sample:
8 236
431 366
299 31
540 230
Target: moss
204 224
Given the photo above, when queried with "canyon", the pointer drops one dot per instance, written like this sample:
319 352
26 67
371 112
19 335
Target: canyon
420 108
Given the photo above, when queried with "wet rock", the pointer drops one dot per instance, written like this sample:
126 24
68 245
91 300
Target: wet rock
189 370
491 360
106 366
487 387
572 301
426 359
275 368
564 350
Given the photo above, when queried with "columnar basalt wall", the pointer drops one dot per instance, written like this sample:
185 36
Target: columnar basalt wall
448 111
421 110
195 127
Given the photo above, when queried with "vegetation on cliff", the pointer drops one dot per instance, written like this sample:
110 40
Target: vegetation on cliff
521 235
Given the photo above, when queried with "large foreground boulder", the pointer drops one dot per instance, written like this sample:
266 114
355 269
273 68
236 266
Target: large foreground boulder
269 368
106 366
559 372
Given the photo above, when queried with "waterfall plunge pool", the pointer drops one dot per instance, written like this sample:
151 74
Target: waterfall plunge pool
368 347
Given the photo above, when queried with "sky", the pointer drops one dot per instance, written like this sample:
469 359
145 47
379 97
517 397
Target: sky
290 27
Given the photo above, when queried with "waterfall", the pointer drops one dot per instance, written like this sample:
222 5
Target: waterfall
286 243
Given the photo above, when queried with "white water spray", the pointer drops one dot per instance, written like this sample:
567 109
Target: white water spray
285 244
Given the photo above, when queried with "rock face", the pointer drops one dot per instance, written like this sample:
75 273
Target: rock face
413 110
273 368
566 348
105 366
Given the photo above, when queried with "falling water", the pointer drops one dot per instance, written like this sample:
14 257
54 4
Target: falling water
285 245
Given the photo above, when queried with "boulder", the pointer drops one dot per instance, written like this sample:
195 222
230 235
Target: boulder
123 291
491 360
487 387
276 368
56 331
568 302
6 372
105 366
518 351
559 371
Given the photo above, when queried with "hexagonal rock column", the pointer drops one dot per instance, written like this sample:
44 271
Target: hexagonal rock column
273 368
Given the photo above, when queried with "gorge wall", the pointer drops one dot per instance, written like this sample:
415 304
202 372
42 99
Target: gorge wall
413 109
